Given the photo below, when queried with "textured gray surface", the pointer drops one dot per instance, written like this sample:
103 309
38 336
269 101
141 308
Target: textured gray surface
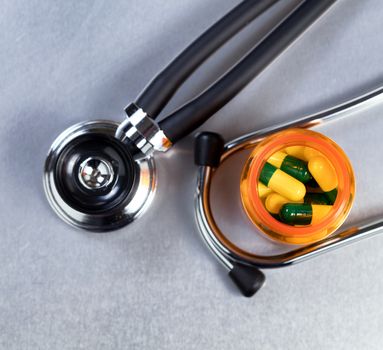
153 285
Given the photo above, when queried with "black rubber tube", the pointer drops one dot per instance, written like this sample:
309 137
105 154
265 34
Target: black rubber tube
197 111
161 89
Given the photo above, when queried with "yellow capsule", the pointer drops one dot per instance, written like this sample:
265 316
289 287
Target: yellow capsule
282 183
263 191
324 173
275 201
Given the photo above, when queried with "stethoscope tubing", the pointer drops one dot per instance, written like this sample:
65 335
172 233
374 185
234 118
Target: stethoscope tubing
161 89
194 113
199 109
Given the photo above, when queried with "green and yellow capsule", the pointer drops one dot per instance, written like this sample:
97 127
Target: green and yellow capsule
324 174
282 183
290 165
303 214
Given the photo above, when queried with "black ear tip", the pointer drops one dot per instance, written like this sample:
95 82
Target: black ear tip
208 149
248 279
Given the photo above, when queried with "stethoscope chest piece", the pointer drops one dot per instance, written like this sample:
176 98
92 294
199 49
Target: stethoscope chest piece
94 181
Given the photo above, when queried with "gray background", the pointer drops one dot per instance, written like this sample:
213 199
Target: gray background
153 285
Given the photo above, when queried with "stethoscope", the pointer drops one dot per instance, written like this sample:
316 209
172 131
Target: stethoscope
100 175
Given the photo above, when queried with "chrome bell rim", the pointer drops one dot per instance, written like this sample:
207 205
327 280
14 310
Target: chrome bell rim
139 200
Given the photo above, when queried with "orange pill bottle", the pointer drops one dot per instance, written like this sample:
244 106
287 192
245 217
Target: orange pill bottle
254 206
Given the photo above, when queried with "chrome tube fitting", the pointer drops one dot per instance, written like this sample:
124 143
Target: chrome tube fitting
143 131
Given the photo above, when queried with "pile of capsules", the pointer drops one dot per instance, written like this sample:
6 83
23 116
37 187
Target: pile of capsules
298 186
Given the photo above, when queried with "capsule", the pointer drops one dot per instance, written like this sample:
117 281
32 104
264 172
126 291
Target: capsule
291 165
282 183
303 214
263 191
275 201
324 174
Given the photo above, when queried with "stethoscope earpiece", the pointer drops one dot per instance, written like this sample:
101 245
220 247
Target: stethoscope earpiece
248 279
208 148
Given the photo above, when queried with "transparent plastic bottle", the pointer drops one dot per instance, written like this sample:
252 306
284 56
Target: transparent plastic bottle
254 207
